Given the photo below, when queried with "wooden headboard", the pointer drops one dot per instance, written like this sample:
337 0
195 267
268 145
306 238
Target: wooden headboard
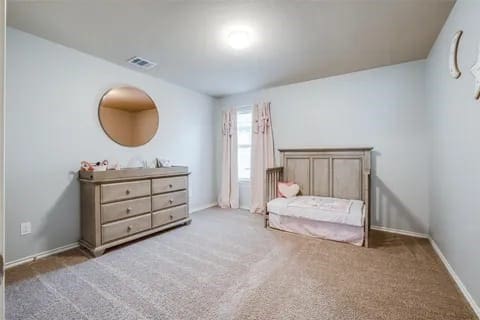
338 172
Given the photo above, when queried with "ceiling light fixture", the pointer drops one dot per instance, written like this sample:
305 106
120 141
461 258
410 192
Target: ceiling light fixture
239 39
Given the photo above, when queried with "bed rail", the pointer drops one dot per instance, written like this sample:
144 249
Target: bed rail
274 175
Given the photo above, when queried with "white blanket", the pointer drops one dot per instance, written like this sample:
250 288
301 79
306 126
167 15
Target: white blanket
328 213
324 204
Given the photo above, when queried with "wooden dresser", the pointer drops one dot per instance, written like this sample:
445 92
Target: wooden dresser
118 206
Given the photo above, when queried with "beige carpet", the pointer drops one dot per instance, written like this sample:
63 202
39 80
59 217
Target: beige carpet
225 265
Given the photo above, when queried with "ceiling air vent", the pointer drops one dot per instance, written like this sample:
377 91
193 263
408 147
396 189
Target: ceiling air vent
142 63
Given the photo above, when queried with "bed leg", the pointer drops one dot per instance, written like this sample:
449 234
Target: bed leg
266 220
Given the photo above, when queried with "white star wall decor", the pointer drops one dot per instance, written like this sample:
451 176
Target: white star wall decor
476 73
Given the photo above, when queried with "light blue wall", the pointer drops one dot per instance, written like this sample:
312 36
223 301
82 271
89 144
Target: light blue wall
455 147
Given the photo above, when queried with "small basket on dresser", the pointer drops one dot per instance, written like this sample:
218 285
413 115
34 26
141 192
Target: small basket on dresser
118 206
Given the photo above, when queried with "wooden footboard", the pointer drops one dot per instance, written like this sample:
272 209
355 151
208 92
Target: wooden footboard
274 175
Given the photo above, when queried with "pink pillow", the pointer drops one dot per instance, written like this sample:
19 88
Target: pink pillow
287 189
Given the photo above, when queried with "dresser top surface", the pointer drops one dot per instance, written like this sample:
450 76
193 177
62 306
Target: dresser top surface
131 174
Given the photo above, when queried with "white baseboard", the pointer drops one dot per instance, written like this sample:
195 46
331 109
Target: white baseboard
456 278
210 205
40 255
399 231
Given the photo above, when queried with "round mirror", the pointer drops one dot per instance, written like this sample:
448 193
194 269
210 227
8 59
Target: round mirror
128 116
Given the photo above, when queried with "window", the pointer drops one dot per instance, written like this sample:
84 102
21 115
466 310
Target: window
244 127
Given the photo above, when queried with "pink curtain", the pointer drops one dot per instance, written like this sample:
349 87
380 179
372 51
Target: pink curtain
262 155
229 194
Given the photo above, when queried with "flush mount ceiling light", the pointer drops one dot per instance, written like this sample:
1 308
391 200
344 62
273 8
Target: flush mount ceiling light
239 39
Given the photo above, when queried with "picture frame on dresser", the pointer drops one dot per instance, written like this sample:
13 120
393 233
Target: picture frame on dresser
118 206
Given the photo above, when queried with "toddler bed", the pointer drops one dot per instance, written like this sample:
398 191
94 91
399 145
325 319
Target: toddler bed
333 199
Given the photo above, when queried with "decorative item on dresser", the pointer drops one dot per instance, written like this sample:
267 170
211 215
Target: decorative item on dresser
118 206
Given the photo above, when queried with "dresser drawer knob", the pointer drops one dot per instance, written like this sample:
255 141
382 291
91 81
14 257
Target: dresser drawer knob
170 186
129 210
170 201
127 191
129 228
171 217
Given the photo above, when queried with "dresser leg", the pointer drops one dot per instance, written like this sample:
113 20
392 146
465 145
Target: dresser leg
98 252
188 222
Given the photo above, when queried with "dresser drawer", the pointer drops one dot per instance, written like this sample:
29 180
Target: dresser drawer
124 190
166 216
166 200
125 209
169 184
123 228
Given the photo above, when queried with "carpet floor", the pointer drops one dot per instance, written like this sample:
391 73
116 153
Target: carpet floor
225 265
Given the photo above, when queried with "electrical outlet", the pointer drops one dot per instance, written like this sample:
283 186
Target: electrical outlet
25 228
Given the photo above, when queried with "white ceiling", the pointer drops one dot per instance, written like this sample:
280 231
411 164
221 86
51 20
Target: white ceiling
295 40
